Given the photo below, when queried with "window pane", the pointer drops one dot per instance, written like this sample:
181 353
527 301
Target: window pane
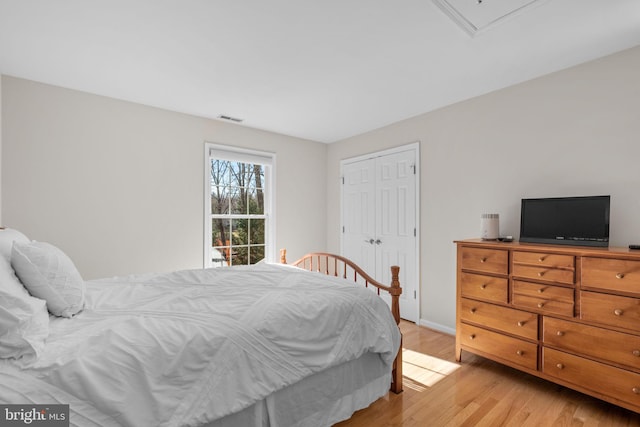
220 200
255 201
218 258
240 255
220 232
238 200
240 232
256 231
219 173
258 176
227 252
236 173
256 254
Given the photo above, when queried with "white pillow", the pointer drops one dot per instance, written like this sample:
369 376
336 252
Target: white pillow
24 326
24 321
49 274
8 280
7 237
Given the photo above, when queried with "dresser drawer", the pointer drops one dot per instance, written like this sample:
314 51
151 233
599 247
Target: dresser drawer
598 377
621 312
543 298
512 321
611 274
616 347
548 274
544 259
538 290
485 260
503 347
488 288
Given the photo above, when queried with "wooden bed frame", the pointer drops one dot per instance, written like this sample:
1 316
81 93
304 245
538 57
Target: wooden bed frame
339 266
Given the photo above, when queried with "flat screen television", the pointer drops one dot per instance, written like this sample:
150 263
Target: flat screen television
582 221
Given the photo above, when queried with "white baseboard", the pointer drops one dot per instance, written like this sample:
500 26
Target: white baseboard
437 327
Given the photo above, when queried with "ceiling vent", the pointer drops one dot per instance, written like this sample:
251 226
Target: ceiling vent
231 119
475 16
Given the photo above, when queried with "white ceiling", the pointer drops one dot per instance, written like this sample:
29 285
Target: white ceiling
321 70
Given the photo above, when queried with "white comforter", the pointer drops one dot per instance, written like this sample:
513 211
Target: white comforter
189 347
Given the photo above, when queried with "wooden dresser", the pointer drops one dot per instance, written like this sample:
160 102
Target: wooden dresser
568 314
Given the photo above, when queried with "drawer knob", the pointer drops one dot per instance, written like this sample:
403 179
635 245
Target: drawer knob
560 333
519 352
619 275
483 260
472 336
540 273
636 353
541 259
540 304
617 312
636 390
560 366
541 290
483 286
521 323
473 310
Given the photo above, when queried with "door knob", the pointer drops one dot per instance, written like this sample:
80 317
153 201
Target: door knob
378 241
370 241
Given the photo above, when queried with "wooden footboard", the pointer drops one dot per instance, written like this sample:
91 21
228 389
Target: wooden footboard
339 266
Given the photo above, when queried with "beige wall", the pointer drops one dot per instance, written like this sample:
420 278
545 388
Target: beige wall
0 150
119 186
575 132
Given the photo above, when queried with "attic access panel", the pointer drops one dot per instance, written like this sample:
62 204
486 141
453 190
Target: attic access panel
477 15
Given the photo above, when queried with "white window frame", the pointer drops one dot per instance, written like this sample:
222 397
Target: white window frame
235 154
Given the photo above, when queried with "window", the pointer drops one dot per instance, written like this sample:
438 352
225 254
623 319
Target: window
238 206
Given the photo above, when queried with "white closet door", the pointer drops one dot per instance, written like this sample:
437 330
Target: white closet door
379 221
396 226
358 205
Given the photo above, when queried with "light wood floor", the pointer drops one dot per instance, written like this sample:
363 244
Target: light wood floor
478 392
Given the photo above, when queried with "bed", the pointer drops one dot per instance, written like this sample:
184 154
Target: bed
263 345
